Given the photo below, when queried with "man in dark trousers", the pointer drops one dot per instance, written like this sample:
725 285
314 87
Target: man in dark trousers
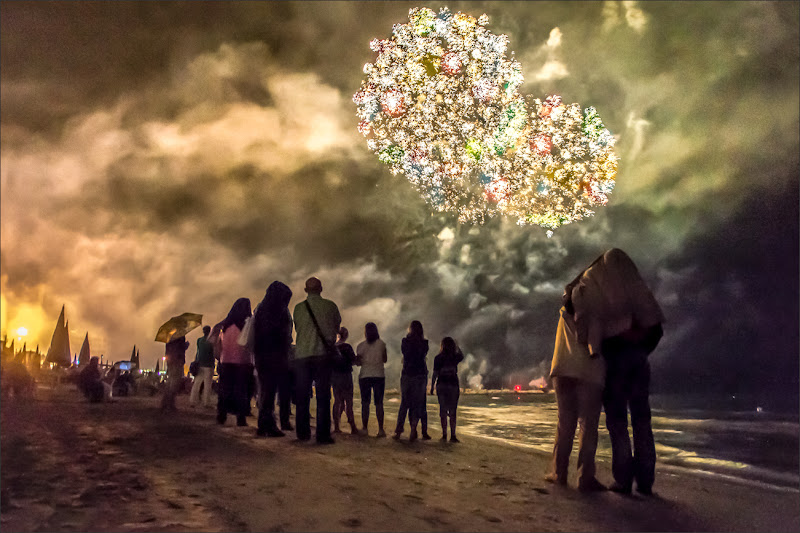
316 321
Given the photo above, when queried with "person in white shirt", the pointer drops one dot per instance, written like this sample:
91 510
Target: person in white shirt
371 356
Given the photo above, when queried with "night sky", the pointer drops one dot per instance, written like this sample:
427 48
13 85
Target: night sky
162 157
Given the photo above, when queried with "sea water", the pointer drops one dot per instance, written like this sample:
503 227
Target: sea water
725 437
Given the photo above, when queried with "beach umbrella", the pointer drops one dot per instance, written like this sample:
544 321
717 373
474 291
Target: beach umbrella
178 326
158 367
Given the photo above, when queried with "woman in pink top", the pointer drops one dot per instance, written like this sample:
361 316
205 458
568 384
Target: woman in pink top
236 365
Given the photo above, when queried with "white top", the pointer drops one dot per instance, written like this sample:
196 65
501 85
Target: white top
571 359
371 356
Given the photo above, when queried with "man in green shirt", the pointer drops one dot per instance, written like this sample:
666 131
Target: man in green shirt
312 363
205 370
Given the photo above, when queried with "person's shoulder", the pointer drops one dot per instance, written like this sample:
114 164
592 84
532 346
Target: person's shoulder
329 303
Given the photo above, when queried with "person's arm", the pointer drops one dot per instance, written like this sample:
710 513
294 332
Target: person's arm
385 357
435 374
459 356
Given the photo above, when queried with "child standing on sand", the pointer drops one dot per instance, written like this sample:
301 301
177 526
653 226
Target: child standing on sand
371 356
445 372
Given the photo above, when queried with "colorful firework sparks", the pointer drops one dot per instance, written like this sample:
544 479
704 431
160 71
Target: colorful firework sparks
441 104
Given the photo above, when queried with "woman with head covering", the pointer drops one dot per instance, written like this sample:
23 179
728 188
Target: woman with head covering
272 339
617 316
236 365
371 356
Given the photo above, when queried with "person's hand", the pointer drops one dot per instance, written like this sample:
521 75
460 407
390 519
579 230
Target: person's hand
431 391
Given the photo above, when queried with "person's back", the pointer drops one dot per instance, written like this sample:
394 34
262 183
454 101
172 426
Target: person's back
316 321
445 381
413 382
90 383
415 351
205 351
371 354
328 318
446 366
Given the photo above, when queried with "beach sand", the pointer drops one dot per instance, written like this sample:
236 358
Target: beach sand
71 466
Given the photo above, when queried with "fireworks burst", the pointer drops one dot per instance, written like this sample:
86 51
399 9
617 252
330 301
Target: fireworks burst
441 104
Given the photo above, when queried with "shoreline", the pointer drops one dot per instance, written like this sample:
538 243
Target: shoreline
125 467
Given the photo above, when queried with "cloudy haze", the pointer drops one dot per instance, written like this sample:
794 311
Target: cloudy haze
167 157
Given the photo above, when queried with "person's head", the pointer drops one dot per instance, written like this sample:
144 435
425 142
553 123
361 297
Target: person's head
449 345
313 286
238 314
415 329
206 330
343 334
94 361
371 332
278 295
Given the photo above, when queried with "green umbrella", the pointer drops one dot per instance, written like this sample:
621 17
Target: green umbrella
178 326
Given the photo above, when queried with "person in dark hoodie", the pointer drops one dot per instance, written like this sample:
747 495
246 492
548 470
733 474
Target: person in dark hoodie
272 339
413 382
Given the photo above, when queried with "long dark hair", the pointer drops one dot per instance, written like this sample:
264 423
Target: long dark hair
371 332
238 314
273 310
415 330
448 346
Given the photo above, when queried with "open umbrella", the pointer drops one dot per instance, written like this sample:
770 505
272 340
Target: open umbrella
178 326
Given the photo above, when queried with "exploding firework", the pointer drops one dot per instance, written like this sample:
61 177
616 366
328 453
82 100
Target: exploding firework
441 105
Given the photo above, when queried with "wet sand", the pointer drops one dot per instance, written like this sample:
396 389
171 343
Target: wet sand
71 466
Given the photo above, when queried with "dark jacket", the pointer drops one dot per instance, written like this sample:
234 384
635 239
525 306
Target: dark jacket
414 352
345 366
272 327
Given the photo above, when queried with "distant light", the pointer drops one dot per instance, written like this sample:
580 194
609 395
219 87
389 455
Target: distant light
759 409
517 388
22 332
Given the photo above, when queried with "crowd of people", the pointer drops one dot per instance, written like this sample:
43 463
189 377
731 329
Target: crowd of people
256 347
608 325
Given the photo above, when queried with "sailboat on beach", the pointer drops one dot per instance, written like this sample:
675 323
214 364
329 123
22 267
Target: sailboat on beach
85 354
59 352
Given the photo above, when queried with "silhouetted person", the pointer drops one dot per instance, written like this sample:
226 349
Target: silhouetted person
123 384
89 382
317 322
342 382
413 382
175 352
445 381
205 370
272 339
618 317
371 356
578 379
236 365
